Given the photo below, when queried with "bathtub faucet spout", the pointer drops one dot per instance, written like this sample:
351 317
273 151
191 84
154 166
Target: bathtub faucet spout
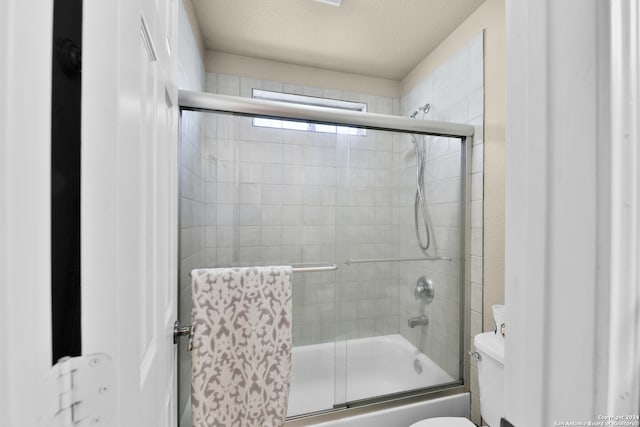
418 321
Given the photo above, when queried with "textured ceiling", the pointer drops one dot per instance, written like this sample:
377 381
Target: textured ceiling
379 38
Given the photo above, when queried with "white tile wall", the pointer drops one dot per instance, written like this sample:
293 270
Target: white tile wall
455 92
289 197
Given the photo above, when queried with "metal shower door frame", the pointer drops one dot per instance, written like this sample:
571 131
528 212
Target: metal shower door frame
214 103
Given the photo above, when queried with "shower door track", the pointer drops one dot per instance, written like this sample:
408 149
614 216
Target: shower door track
214 103
209 102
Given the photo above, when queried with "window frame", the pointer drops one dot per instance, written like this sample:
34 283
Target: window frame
304 126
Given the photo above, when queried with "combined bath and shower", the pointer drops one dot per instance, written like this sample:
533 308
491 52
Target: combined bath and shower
420 204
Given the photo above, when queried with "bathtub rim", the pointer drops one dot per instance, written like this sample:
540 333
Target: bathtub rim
369 407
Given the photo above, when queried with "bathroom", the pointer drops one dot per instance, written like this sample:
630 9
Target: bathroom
525 203
350 212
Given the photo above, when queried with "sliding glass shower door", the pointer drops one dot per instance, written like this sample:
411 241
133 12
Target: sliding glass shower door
396 341
273 192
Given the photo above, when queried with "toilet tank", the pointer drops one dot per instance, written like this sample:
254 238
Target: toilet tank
491 376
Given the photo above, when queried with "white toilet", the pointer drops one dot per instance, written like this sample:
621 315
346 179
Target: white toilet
490 347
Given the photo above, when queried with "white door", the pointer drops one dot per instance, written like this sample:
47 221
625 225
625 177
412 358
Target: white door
25 208
129 202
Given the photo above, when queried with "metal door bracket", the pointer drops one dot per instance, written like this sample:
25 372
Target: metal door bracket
79 392
179 331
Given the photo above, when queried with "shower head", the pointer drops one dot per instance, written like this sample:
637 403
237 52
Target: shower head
423 109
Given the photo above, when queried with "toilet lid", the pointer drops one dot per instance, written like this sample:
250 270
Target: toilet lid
444 422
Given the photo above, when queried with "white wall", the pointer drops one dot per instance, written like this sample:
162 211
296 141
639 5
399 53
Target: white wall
191 66
533 165
568 171
262 69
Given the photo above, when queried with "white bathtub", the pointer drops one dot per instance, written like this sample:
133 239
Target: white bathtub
374 366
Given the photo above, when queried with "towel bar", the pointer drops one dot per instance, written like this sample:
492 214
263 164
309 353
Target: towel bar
314 268
428 258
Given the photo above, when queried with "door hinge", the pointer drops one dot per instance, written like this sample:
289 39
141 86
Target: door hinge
79 392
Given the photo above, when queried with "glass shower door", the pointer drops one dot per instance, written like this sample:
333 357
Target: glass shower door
253 195
379 221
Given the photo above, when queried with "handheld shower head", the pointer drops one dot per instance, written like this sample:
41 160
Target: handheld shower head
420 203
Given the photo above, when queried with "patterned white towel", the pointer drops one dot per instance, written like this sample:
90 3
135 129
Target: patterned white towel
241 358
